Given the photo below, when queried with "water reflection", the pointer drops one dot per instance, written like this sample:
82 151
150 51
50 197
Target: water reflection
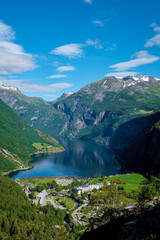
81 158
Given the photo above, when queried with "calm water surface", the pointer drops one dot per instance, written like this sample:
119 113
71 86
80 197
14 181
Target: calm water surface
82 159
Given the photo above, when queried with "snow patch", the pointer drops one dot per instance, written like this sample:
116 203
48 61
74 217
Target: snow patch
145 78
33 118
131 84
8 88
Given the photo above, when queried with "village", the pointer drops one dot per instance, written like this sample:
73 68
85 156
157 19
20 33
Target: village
63 194
86 200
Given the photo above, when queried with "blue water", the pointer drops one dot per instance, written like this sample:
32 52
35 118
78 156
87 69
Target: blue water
80 158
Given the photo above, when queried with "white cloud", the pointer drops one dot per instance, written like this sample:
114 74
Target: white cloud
88 1
113 47
65 68
154 41
13 58
155 27
73 50
96 43
121 74
57 76
56 63
28 86
141 58
6 32
98 23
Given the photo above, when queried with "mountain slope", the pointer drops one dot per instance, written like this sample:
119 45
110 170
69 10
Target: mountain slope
17 140
99 108
137 144
119 112
23 220
94 112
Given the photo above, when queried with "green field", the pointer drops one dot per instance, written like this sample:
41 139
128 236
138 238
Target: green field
65 201
37 180
46 148
128 181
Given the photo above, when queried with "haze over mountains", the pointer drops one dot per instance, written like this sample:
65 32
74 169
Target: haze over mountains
113 111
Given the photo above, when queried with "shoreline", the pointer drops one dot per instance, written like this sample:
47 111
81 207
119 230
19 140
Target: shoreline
29 167
17 170
41 153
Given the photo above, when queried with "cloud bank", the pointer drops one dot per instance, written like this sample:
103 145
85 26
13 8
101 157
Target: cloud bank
28 86
13 58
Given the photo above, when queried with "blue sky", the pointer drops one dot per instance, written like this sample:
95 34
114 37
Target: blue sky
48 47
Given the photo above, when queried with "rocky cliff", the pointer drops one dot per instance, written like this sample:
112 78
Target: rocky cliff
114 111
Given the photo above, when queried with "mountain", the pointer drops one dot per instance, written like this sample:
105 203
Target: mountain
18 140
94 112
64 96
119 112
137 144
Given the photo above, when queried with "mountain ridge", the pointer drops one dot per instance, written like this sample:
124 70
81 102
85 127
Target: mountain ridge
96 111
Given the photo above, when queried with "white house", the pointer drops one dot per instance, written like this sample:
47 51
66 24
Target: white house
87 188
42 197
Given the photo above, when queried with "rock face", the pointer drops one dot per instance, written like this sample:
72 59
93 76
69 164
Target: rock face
113 111
94 112
137 142
141 224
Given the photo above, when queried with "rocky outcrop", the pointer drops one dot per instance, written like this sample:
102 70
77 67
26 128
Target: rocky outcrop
137 144
141 223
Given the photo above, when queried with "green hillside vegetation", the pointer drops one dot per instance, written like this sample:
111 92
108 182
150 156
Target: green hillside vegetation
94 112
115 112
18 140
129 182
124 189
22 220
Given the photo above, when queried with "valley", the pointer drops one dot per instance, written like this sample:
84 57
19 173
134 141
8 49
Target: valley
117 112
109 126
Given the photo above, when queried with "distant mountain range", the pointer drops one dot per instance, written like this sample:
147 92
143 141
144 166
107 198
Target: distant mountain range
113 111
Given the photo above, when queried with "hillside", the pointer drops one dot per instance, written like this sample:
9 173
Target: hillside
23 220
139 223
18 139
137 144
119 112
94 112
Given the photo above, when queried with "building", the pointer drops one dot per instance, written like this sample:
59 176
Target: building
84 218
26 190
87 188
42 197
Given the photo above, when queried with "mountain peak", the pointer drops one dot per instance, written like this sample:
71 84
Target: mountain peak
3 87
64 96
143 78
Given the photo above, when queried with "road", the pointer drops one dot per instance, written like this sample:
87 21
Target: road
76 212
